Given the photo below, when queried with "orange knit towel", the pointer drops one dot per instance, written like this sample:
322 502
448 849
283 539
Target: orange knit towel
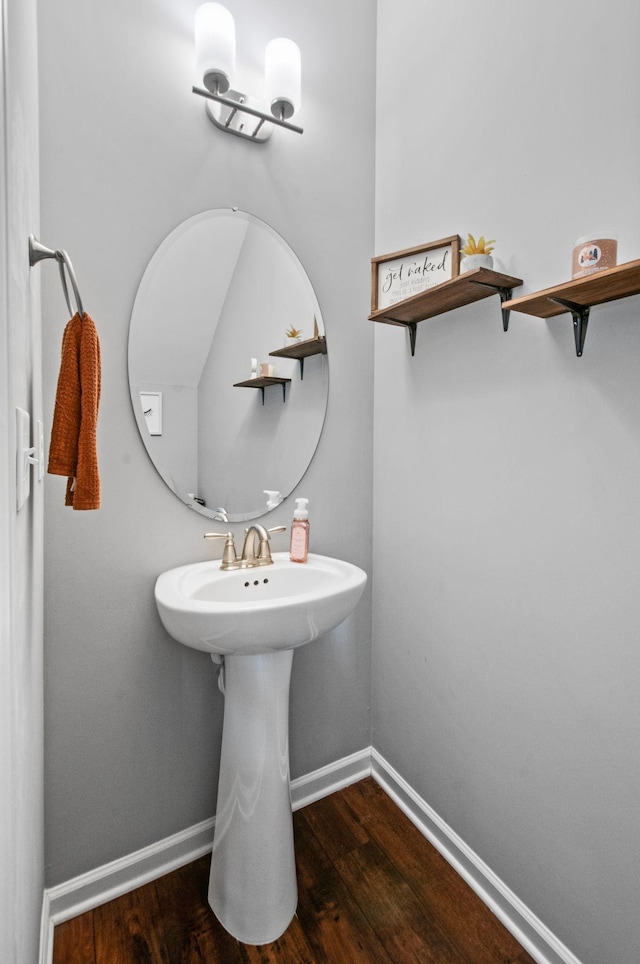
73 449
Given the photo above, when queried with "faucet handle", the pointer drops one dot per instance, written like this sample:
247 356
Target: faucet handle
264 549
229 554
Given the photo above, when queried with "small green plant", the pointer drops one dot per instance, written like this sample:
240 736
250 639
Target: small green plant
471 246
293 332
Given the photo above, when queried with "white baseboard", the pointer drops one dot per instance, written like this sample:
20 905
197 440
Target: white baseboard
111 880
528 930
121 876
46 931
92 889
326 780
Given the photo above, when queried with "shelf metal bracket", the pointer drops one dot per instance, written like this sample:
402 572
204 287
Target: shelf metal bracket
580 315
412 328
284 392
505 295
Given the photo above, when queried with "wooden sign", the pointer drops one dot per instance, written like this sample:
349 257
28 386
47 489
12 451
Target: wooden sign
396 277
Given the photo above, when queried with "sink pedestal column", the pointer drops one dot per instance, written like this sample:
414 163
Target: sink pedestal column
252 888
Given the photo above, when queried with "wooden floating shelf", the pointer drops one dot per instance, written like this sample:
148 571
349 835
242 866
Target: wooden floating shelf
594 289
262 382
467 288
302 349
579 295
463 290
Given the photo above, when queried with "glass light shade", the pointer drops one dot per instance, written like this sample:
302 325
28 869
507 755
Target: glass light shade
282 77
215 47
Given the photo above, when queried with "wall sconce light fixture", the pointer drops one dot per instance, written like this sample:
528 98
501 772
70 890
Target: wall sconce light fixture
232 110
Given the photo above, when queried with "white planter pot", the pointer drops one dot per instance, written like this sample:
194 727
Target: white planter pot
473 261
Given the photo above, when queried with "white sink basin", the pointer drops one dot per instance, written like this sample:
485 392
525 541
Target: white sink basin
259 610
250 621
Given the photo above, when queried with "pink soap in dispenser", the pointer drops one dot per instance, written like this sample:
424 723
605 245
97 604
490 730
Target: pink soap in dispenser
300 532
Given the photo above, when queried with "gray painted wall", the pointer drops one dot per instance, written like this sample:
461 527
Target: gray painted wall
506 607
133 720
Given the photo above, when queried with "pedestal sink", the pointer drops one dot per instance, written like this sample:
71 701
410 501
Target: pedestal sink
251 620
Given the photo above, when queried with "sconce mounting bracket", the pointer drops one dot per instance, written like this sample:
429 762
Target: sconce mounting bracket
237 113
237 120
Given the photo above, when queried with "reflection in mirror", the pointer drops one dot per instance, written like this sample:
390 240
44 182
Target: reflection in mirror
220 292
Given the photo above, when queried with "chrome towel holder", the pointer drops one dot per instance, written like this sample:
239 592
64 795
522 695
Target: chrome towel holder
38 252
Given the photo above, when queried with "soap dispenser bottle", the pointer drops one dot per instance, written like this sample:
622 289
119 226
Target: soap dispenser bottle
300 532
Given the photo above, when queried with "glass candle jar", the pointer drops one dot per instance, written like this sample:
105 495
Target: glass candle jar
594 252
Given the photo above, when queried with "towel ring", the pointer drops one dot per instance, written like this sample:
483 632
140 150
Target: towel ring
38 252
64 260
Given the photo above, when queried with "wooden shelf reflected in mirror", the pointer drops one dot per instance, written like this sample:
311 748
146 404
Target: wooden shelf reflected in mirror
302 349
264 381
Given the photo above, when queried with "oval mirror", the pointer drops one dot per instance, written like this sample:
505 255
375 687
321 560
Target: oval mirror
222 290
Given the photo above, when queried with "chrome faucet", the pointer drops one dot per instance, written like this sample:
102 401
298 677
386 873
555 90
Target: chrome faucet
256 550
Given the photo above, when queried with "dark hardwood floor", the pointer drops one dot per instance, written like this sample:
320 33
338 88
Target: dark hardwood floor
371 889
